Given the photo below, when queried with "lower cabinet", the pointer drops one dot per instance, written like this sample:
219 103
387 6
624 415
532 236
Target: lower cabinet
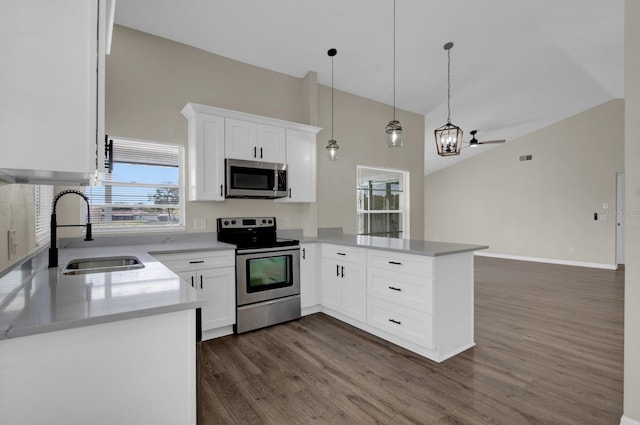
213 273
421 303
309 293
344 281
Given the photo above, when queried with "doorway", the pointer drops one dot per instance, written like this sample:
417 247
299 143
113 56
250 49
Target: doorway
619 218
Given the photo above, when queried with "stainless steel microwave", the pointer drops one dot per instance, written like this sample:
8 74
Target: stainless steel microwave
255 179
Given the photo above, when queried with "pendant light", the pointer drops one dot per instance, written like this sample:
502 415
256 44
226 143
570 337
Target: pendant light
394 128
332 147
449 136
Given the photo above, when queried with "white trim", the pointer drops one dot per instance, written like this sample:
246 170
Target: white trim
625 420
550 260
190 108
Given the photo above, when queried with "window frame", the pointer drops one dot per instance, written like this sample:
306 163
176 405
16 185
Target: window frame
42 203
146 228
404 202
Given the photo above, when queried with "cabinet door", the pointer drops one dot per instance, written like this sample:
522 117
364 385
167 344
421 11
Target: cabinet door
308 292
271 144
206 158
354 291
331 292
219 286
301 166
240 139
50 109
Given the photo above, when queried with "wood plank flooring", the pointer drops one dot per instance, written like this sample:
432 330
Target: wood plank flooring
549 350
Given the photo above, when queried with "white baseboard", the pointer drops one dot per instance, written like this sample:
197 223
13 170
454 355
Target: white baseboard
628 421
550 261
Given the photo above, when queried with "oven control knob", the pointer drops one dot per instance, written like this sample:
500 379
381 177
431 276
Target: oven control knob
264 221
226 222
270 221
233 222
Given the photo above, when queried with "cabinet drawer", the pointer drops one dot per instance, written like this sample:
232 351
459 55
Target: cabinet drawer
399 262
344 253
408 290
403 322
198 260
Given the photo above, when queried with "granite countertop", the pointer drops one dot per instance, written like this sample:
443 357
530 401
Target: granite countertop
45 300
409 246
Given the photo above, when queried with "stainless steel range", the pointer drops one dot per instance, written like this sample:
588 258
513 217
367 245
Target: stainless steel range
267 272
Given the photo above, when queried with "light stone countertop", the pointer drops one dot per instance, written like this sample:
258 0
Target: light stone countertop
408 246
46 300
35 299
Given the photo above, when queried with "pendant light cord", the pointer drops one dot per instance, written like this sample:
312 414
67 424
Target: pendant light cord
394 60
449 86
331 97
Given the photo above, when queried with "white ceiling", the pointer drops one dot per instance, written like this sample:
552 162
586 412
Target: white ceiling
517 65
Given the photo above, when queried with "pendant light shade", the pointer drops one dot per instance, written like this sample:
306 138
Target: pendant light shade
332 146
394 128
449 136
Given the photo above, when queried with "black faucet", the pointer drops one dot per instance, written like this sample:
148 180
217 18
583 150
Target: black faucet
53 248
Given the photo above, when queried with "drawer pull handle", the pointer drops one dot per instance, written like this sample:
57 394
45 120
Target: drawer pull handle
196 262
397 322
341 253
393 288
397 263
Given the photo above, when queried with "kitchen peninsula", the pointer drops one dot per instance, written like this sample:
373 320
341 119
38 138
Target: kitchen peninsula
416 294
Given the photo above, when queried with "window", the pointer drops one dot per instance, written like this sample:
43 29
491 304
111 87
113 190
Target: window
383 202
143 190
42 202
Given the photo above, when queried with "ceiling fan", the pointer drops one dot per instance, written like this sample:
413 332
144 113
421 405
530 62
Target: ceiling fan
474 142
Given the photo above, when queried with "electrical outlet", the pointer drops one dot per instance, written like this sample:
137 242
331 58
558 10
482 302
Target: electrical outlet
200 224
286 221
11 243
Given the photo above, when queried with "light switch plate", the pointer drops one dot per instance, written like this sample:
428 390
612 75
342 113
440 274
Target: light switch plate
200 224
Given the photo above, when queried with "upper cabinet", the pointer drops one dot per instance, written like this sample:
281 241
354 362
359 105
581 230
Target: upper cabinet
216 134
255 142
52 85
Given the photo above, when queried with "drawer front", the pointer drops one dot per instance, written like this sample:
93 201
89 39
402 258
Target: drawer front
414 291
198 260
400 321
399 262
344 253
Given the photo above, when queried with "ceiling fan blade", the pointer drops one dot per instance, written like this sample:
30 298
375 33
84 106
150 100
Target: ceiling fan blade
488 142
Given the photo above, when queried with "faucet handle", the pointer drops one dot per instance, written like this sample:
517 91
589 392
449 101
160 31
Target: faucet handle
88 236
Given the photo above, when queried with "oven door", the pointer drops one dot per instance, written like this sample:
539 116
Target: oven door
267 274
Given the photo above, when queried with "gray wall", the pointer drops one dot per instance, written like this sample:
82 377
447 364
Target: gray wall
541 208
150 79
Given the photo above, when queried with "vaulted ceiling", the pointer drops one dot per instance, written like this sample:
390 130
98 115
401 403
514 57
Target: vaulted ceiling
516 66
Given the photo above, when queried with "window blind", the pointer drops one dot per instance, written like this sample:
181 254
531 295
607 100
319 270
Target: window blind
42 203
143 190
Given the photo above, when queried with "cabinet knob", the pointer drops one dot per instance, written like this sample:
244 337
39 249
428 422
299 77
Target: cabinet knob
255 150
260 153
200 281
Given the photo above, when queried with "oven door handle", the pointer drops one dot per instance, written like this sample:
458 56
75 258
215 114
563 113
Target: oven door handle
271 249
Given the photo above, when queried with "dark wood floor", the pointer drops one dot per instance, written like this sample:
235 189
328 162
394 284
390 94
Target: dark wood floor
549 350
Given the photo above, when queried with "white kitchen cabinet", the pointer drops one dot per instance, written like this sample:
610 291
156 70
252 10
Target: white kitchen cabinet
205 155
301 166
344 281
213 273
254 142
217 133
52 85
424 304
309 295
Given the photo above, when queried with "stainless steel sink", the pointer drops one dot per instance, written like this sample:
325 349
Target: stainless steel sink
102 264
